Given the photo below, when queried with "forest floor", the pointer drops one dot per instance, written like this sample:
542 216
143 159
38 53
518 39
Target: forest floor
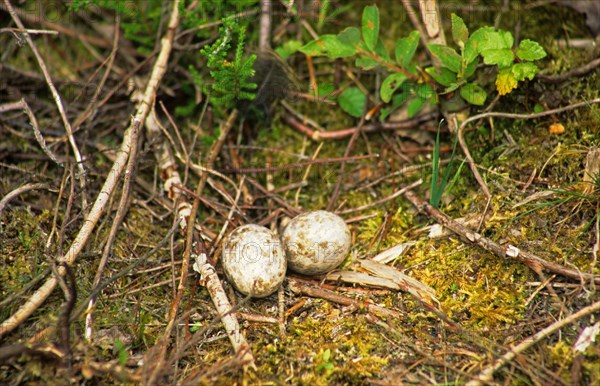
477 298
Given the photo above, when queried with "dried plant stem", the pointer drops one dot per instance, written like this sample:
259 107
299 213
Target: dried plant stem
22 104
20 190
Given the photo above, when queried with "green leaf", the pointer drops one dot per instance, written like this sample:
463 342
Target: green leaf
448 56
525 70
487 38
370 26
460 32
424 91
470 52
500 57
328 45
442 75
538 108
530 50
350 36
288 49
326 355
352 101
473 94
414 106
406 48
470 70
451 87
325 89
390 85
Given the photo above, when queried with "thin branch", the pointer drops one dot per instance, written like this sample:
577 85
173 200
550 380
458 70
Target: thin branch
537 264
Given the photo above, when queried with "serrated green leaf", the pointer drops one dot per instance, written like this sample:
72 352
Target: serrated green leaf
448 56
525 70
406 48
328 45
350 36
460 32
530 50
500 57
442 75
414 106
473 94
390 85
370 26
352 101
487 38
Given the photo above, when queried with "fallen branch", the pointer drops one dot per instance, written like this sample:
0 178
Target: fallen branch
537 264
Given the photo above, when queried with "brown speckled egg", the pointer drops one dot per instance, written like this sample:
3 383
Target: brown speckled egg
253 260
316 242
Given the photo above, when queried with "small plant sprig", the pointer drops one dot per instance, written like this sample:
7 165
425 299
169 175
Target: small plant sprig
406 83
232 79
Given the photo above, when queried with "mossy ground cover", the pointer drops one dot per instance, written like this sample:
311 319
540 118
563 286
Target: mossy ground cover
498 302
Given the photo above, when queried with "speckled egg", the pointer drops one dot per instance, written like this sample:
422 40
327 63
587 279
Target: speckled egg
253 260
316 242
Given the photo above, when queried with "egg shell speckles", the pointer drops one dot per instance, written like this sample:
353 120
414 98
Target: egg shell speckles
253 260
316 242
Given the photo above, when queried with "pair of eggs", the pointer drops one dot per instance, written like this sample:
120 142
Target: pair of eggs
255 259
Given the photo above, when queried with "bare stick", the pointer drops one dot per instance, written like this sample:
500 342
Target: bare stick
18 191
537 264
109 186
57 100
22 104
486 376
463 125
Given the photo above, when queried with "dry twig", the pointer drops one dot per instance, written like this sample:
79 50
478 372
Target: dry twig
537 264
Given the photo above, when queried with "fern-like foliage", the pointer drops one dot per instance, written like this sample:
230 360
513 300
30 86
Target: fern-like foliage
232 79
